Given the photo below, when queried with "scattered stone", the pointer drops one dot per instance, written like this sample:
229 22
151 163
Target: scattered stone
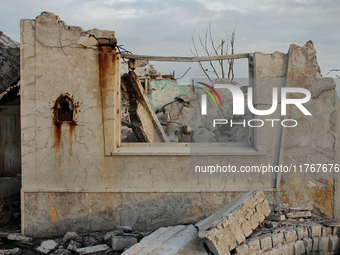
69 236
281 207
119 243
299 214
276 217
125 228
73 245
301 208
18 237
98 249
61 252
108 236
89 241
180 240
47 246
15 251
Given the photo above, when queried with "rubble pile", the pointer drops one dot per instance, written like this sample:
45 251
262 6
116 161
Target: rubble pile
247 225
108 243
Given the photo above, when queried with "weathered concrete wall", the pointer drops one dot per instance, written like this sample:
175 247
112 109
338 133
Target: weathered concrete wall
72 180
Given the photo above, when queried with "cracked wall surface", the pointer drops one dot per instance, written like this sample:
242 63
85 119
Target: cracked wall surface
71 182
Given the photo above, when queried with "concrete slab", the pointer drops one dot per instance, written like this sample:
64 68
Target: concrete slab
221 231
181 240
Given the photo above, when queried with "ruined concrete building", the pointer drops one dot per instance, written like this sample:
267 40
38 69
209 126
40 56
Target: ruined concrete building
79 174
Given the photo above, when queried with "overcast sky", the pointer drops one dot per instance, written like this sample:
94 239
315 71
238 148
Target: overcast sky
165 27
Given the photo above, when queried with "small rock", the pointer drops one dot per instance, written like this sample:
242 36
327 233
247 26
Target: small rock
89 241
69 236
281 207
108 236
119 243
47 246
125 228
98 249
73 245
61 252
18 237
15 251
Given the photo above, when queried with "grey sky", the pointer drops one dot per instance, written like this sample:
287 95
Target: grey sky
165 27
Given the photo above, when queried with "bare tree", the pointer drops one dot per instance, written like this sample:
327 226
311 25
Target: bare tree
202 42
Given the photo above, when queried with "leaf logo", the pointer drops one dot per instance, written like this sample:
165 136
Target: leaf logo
209 93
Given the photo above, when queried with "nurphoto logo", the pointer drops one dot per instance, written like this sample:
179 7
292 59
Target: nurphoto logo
238 104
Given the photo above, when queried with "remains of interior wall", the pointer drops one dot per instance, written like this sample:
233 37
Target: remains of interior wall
70 182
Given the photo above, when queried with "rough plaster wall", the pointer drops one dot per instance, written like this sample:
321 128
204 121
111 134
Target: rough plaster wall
68 182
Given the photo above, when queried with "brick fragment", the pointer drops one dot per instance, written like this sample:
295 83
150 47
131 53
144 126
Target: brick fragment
278 239
266 242
323 244
299 248
302 232
308 244
315 230
326 231
290 235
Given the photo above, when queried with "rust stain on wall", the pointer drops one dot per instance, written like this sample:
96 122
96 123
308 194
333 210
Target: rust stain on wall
53 214
64 112
323 198
107 60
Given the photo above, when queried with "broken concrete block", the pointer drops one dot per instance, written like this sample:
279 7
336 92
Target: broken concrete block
89 241
18 237
15 251
180 240
281 207
276 217
299 214
108 236
119 243
94 250
69 236
47 246
224 230
73 245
